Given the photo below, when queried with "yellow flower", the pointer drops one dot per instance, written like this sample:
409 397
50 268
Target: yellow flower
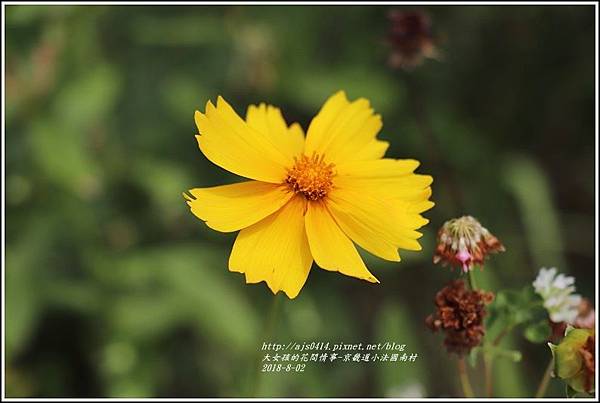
308 197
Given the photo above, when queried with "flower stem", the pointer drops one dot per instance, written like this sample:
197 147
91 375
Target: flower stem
488 360
268 329
489 384
501 335
464 378
472 282
541 390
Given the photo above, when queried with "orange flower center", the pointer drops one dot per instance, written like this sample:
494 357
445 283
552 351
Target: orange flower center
310 176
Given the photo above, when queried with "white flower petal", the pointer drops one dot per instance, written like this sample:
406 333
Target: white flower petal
557 292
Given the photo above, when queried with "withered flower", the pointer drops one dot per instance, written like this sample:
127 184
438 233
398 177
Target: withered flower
464 242
411 39
460 313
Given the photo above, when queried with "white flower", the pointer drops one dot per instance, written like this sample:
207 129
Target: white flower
414 390
557 292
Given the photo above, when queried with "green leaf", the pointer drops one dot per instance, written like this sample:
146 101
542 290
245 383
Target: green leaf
500 352
517 306
537 332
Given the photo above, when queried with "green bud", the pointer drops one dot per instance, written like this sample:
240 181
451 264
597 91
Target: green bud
570 362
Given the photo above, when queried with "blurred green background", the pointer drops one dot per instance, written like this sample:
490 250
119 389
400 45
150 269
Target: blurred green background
113 288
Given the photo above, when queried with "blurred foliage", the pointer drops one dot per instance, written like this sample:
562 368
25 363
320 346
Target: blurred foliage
114 289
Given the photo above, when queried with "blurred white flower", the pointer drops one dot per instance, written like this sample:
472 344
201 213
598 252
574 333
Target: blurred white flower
410 390
557 293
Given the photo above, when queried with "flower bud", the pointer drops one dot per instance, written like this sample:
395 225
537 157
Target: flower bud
574 359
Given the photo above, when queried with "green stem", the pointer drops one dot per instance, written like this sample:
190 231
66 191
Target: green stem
487 364
269 325
488 360
541 390
464 378
272 316
472 282
501 335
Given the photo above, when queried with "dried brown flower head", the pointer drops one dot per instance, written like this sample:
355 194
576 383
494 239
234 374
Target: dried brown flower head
460 314
410 37
464 242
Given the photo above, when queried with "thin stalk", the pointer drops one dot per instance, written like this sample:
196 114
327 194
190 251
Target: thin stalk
464 378
267 331
472 282
489 384
501 335
489 359
541 390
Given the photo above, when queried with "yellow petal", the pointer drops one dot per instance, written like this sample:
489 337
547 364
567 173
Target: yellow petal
268 120
411 211
375 149
388 178
389 188
359 131
320 126
331 249
275 250
375 224
297 138
233 207
381 168
228 141
378 204
365 232
420 207
342 129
